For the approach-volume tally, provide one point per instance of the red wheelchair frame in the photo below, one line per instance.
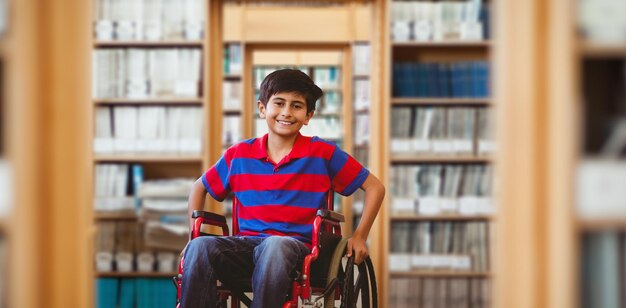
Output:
(326, 221)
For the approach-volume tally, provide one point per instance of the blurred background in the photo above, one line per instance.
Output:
(498, 128)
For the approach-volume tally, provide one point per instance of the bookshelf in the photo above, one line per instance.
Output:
(438, 78)
(599, 226)
(155, 117)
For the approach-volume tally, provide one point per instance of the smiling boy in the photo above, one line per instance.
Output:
(281, 181)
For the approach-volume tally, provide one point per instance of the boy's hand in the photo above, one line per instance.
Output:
(357, 244)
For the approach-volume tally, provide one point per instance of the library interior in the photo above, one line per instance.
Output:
(494, 125)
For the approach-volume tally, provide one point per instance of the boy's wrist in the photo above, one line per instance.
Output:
(358, 235)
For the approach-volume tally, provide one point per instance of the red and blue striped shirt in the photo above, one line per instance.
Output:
(283, 198)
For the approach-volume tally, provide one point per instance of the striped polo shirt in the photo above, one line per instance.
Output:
(283, 198)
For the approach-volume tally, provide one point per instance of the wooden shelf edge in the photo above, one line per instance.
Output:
(437, 274)
(432, 101)
(232, 111)
(115, 216)
(135, 274)
(147, 101)
(231, 76)
(409, 158)
(454, 44)
(599, 50)
(601, 224)
(97, 44)
(147, 158)
(453, 217)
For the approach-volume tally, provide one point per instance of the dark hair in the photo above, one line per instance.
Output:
(290, 80)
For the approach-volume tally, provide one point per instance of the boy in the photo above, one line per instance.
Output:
(280, 180)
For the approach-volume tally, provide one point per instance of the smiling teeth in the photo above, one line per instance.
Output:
(284, 123)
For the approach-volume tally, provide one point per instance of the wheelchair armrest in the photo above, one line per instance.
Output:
(331, 215)
(207, 218)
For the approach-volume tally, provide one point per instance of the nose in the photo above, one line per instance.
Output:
(286, 112)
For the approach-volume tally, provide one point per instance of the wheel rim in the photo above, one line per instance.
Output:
(355, 285)
(362, 287)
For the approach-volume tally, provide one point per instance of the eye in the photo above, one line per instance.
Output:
(298, 106)
(280, 104)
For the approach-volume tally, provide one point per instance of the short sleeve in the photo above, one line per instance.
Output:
(346, 173)
(216, 180)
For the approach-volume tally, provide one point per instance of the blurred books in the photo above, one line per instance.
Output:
(439, 21)
(441, 131)
(439, 246)
(141, 73)
(149, 20)
(148, 130)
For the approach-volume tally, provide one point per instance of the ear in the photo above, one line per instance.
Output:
(261, 109)
(308, 117)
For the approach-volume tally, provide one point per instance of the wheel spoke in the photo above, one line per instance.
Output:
(358, 284)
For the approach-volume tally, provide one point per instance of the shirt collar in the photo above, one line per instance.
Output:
(300, 148)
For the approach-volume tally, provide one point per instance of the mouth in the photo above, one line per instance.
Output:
(284, 122)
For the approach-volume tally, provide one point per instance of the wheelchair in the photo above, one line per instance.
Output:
(327, 278)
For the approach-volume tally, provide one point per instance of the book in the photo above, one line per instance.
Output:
(438, 21)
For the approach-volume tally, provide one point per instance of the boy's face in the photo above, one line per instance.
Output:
(285, 113)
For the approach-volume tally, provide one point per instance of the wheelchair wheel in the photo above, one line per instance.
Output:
(356, 283)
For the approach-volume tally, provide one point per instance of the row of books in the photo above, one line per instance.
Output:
(129, 246)
(603, 269)
(439, 21)
(441, 130)
(124, 186)
(231, 130)
(141, 73)
(437, 189)
(462, 79)
(329, 128)
(602, 21)
(134, 293)
(362, 58)
(327, 77)
(232, 59)
(148, 129)
(361, 129)
(451, 246)
(361, 154)
(113, 180)
(232, 94)
(440, 292)
(361, 95)
(149, 20)
(4, 12)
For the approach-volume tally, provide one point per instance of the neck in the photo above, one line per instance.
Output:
(278, 147)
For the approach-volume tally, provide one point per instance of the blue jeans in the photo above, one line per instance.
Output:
(270, 261)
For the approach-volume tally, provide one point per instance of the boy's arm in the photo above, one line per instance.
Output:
(197, 197)
(374, 194)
